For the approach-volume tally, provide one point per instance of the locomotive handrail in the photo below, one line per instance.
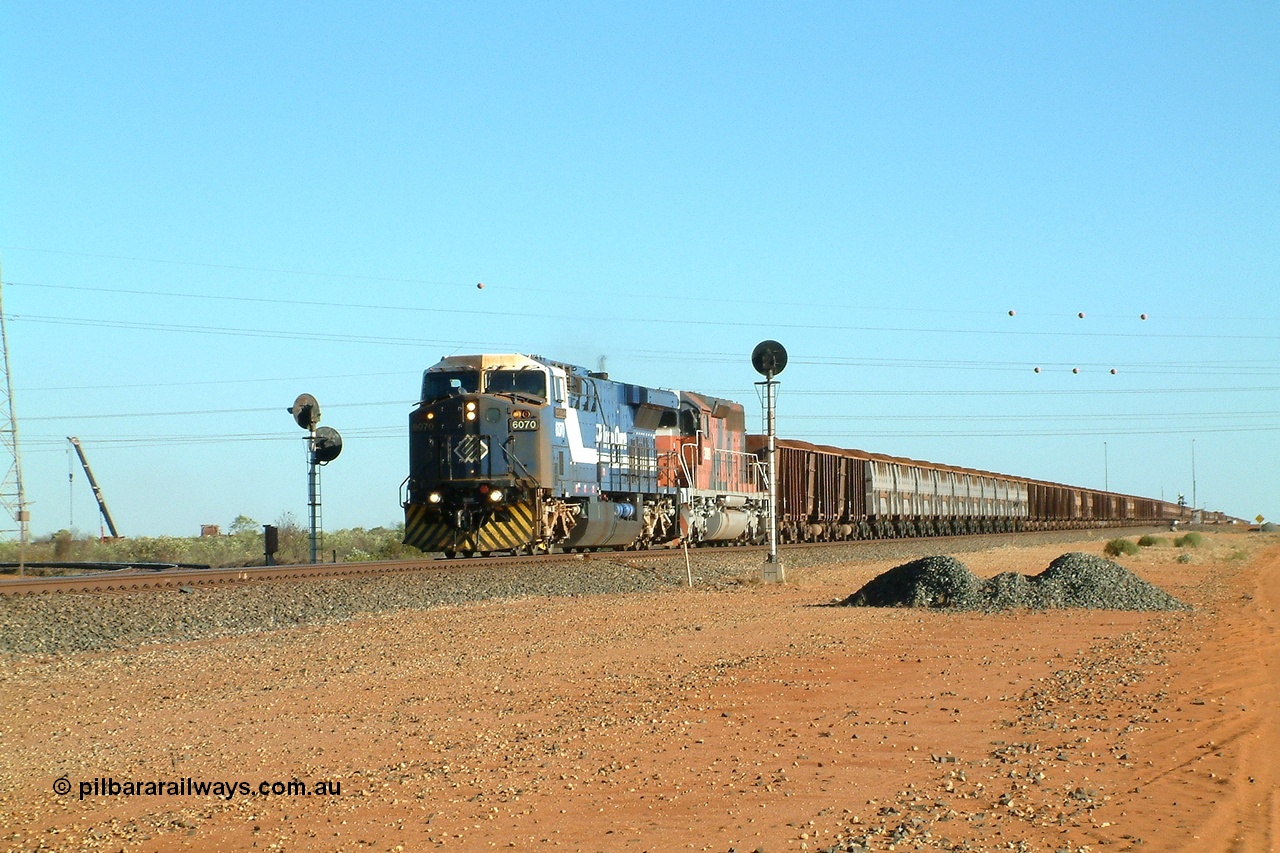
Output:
(762, 478)
(511, 457)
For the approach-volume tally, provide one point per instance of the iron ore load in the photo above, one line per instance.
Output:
(522, 454)
(829, 494)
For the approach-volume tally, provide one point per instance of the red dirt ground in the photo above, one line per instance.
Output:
(744, 719)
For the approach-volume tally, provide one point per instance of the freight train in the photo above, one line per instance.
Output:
(523, 454)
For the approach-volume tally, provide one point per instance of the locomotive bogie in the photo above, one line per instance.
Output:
(709, 517)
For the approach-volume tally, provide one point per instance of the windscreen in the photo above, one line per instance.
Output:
(530, 383)
(441, 384)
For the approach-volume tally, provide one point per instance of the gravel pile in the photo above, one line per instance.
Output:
(928, 582)
(1073, 580)
(1083, 580)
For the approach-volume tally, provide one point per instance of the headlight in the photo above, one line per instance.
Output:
(495, 495)
(434, 498)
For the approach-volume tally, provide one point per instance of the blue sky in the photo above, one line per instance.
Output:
(207, 209)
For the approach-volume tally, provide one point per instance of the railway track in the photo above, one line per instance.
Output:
(126, 580)
(133, 580)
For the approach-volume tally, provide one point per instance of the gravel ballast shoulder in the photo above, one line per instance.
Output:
(67, 623)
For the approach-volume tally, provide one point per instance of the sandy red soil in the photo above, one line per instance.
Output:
(747, 718)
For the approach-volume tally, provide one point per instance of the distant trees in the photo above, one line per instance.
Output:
(243, 547)
(244, 524)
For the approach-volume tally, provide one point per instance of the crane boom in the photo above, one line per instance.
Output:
(97, 492)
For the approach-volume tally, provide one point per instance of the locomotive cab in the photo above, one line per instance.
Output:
(476, 464)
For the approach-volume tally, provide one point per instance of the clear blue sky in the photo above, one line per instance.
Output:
(209, 208)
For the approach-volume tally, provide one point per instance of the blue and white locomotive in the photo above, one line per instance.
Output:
(518, 453)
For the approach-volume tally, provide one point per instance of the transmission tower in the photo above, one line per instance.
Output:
(11, 494)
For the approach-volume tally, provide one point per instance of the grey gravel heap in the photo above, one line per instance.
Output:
(1073, 580)
(927, 582)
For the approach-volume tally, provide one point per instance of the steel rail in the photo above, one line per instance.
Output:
(167, 579)
(159, 580)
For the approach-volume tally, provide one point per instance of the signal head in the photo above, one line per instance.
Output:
(769, 358)
(328, 445)
(306, 411)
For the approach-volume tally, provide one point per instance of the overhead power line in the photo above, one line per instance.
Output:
(1189, 430)
(763, 323)
(1037, 392)
(193, 382)
(524, 288)
(51, 445)
(189, 412)
(1109, 416)
(272, 270)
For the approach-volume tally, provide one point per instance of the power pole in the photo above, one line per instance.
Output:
(11, 493)
(1194, 504)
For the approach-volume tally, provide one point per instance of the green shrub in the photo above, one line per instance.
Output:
(1149, 540)
(1116, 547)
(62, 544)
(244, 547)
(1189, 540)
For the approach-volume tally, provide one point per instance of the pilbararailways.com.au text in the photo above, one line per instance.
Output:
(107, 786)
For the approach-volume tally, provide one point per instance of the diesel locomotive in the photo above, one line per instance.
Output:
(523, 454)
(515, 453)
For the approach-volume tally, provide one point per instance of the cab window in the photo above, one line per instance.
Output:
(531, 383)
(444, 383)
